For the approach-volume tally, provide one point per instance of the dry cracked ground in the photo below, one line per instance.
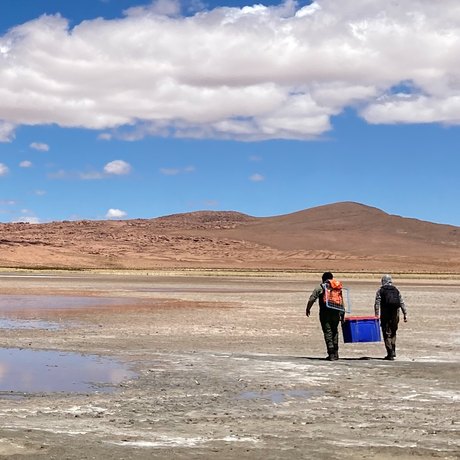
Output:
(224, 367)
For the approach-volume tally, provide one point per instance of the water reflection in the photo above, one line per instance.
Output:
(31, 371)
(48, 311)
(12, 303)
(7, 323)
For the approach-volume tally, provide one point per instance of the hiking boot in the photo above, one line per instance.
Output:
(332, 357)
(390, 353)
(330, 354)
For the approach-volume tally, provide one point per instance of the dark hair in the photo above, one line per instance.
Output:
(327, 276)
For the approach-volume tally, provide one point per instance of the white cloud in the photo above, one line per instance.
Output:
(25, 164)
(4, 170)
(27, 219)
(91, 175)
(117, 167)
(248, 73)
(115, 214)
(113, 168)
(60, 174)
(421, 109)
(40, 146)
(158, 7)
(40, 192)
(6, 130)
(176, 171)
(257, 177)
(169, 171)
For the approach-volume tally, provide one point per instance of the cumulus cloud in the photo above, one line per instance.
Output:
(25, 164)
(246, 73)
(40, 146)
(113, 168)
(117, 168)
(115, 214)
(4, 170)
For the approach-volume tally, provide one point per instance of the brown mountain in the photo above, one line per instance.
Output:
(342, 236)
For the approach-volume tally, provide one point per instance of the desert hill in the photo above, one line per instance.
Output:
(343, 236)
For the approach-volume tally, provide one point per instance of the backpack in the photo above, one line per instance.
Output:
(332, 294)
(389, 297)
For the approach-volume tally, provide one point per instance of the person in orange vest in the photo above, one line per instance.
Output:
(328, 317)
(388, 302)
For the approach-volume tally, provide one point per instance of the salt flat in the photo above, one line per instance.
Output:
(230, 367)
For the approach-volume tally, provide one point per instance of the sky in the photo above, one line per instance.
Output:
(126, 109)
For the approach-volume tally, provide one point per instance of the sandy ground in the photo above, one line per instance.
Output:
(229, 367)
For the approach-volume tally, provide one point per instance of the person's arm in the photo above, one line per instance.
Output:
(403, 307)
(313, 297)
(377, 303)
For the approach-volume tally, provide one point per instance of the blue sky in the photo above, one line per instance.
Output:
(130, 109)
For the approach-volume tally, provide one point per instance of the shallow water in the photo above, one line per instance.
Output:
(8, 323)
(31, 371)
(11, 303)
(34, 311)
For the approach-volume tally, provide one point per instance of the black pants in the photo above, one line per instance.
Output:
(330, 319)
(389, 320)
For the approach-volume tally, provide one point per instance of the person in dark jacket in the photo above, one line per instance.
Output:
(388, 302)
(328, 317)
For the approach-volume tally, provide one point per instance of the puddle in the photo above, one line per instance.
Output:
(36, 371)
(32, 311)
(6, 323)
(13, 303)
(278, 397)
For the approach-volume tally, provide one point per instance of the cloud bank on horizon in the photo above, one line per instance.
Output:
(252, 73)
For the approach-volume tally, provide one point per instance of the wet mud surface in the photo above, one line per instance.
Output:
(228, 367)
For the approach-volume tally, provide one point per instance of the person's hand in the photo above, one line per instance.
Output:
(307, 312)
(405, 318)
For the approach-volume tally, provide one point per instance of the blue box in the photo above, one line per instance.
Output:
(361, 329)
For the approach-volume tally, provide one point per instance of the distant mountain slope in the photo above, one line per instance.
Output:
(341, 236)
(354, 227)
